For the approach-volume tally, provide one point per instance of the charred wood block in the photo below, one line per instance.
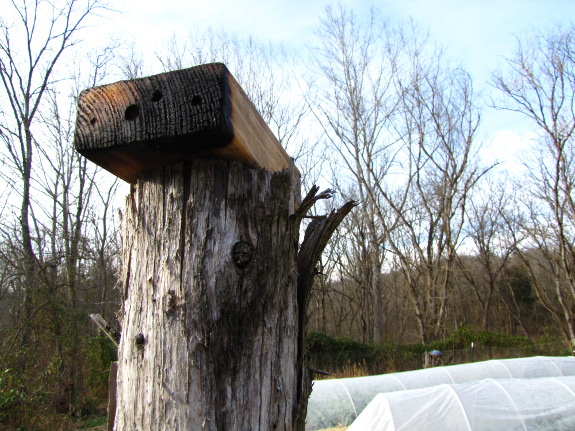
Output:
(131, 126)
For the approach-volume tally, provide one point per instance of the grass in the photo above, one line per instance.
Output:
(350, 370)
(95, 423)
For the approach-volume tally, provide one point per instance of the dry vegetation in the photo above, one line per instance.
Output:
(395, 275)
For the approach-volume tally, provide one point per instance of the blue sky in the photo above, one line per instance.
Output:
(485, 27)
(477, 32)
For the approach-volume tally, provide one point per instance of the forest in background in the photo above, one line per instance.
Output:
(442, 244)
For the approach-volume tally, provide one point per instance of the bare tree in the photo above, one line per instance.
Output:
(131, 64)
(265, 71)
(439, 121)
(351, 105)
(540, 85)
(403, 123)
(488, 232)
(345, 288)
(47, 241)
(29, 53)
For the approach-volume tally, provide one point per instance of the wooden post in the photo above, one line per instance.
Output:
(426, 360)
(210, 319)
(112, 386)
(214, 285)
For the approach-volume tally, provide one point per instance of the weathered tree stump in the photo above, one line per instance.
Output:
(215, 284)
(210, 317)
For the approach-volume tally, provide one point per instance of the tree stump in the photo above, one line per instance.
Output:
(215, 283)
(210, 315)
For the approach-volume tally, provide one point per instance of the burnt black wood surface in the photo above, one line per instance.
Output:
(130, 126)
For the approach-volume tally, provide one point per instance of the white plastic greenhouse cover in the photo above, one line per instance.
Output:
(339, 401)
(486, 405)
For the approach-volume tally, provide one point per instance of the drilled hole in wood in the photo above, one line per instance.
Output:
(196, 100)
(132, 112)
(157, 96)
(93, 121)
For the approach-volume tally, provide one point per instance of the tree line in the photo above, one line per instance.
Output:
(440, 238)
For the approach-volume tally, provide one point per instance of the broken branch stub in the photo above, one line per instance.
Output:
(202, 112)
(316, 237)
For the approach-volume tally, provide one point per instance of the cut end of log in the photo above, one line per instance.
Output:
(132, 126)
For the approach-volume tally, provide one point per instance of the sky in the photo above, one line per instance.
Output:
(476, 31)
(479, 33)
(456, 22)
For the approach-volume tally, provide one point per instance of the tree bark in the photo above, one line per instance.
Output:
(210, 334)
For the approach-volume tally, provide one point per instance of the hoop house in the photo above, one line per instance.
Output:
(486, 405)
(340, 401)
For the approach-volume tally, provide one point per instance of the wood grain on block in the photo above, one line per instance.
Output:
(201, 112)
